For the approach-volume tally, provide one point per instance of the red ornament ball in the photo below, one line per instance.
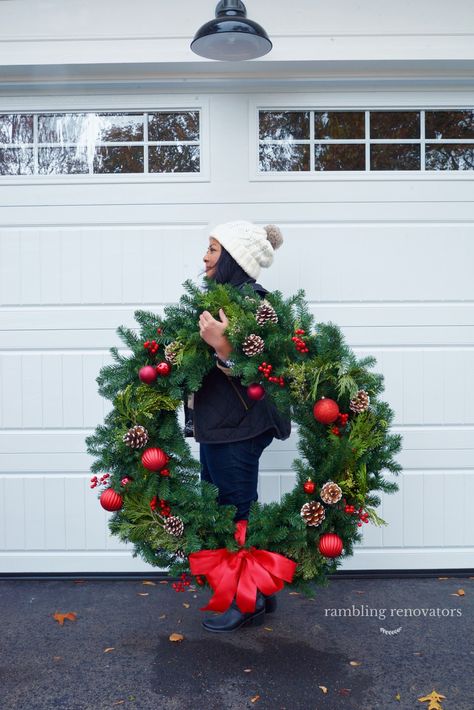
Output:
(309, 486)
(330, 545)
(163, 369)
(154, 459)
(147, 374)
(255, 391)
(326, 411)
(110, 500)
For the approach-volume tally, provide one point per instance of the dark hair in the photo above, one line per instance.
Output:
(228, 271)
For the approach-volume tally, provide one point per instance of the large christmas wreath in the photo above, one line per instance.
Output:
(151, 480)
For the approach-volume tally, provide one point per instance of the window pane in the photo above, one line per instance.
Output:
(16, 161)
(16, 128)
(339, 157)
(284, 125)
(394, 124)
(449, 157)
(65, 161)
(173, 126)
(173, 159)
(339, 124)
(284, 158)
(449, 124)
(124, 159)
(119, 127)
(395, 157)
(65, 128)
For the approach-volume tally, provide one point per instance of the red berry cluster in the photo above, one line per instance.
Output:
(342, 420)
(165, 509)
(300, 344)
(199, 580)
(164, 472)
(152, 346)
(125, 480)
(185, 581)
(266, 369)
(363, 516)
(98, 482)
(159, 331)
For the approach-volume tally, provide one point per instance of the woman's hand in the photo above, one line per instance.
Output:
(212, 332)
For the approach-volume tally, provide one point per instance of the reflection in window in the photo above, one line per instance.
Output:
(173, 158)
(394, 124)
(449, 157)
(398, 156)
(339, 157)
(284, 125)
(449, 124)
(16, 161)
(414, 140)
(339, 124)
(288, 157)
(100, 143)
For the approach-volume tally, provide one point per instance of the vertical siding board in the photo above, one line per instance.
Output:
(12, 388)
(75, 503)
(433, 500)
(35, 513)
(50, 266)
(413, 510)
(468, 538)
(2, 513)
(54, 491)
(10, 268)
(412, 384)
(132, 266)
(52, 390)
(93, 402)
(91, 266)
(32, 395)
(30, 275)
(456, 366)
(111, 266)
(393, 513)
(14, 513)
(72, 395)
(453, 510)
(70, 267)
(268, 488)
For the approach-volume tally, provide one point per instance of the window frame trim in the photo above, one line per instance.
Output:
(119, 103)
(363, 101)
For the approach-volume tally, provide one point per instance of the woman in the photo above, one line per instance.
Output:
(232, 429)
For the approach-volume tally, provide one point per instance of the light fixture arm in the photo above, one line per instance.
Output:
(231, 7)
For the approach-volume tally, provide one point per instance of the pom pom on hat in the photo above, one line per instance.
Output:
(249, 244)
(274, 235)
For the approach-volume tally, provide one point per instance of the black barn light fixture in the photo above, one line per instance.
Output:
(231, 36)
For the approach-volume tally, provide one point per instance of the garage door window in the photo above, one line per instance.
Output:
(314, 141)
(100, 143)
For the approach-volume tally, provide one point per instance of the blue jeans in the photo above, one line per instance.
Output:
(233, 468)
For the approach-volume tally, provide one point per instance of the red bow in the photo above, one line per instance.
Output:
(241, 573)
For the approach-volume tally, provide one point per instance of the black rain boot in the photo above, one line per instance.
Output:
(270, 603)
(233, 618)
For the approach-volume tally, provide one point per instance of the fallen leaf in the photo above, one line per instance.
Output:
(57, 658)
(186, 605)
(443, 577)
(152, 584)
(255, 698)
(163, 582)
(397, 697)
(143, 594)
(247, 670)
(268, 628)
(461, 592)
(294, 594)
(433, 698)
(417, 653)
(118, 702)
(323, 688)
(79, 581)
(71, 615)
(355, 663)
(344, 691)
(176, 637)
(163, 616)
(109, 648)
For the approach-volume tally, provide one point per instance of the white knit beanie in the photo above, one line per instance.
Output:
(249, 244)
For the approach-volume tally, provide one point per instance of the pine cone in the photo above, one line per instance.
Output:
(313, 512)
(330, 493)
(360, 402)
(136, 437)
(180, 553)
(171, 351)
(253, 345)
(265, 313)
(174, 526)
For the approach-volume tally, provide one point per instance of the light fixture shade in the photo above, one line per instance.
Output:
(231, 36)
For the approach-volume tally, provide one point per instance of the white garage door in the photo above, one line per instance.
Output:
(377, 213)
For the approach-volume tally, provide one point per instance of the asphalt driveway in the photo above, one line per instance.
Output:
(368, 644)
